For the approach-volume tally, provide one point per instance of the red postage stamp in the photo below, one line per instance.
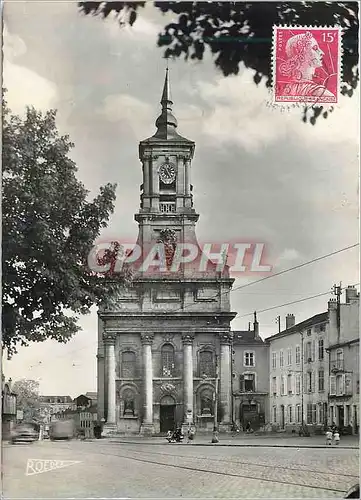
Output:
(306, 64)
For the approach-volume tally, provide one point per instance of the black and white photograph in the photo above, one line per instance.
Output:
(180, 250)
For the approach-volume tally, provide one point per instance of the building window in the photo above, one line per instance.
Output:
(206, 365)
(332, 385)
(206, 402)
(274, 385)
(321, 380)
(282, 385)
(247, 382)
(289, 384)
(308, 352)
(289, 356)
(290, 415)
(321, 414)
(309, 331)
(311, 413)
(275, 414)
(340, 385)
(249, 359)
(128, 364)
(274, 360)
(167, 353)
(314, 414)
(309, 382)
(298, 355)
(320, 350)
(339, 359)
(298, 414)
(298, 383)
(323, 327)
(281, 358)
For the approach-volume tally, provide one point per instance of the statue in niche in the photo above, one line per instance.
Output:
(206, 403)
(128, 399)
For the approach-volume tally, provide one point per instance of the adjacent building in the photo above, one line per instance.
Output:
(51, 405)
(83, 412)
(8, 409)
(344, 361)
(299, 374)
(250, 378)
(314, 369)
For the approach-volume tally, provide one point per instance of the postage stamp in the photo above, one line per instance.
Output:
(306, 64)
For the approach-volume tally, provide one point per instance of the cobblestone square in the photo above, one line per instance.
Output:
(140, 470)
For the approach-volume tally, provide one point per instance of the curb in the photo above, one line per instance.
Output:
(243, 445)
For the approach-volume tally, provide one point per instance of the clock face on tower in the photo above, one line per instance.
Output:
(167, 173)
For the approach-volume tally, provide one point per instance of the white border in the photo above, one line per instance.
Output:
(305, 102)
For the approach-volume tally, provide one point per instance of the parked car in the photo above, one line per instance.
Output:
(24, 433)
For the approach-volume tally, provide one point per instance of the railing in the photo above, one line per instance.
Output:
(167, 207)
(337, 365)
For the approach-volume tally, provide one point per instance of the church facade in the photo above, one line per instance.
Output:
(165, 342)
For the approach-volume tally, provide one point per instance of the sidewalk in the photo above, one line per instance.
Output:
(272, 441)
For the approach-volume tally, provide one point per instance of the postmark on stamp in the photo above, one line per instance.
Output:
(306, 64)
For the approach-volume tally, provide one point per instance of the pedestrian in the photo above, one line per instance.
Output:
(169, 436)
(336, 437)
(328, 437)
(248, 427)
(190, 435)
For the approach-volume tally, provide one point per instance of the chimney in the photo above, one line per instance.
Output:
(255, 326)
(351, 294)
(332, 305)
(290, 321)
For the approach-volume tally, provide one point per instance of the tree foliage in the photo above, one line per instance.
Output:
(49, 227)
(27, 397)
(241, 32)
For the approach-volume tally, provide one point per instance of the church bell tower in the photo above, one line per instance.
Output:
(166, 201)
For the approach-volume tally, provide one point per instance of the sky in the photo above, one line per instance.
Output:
(259, 174)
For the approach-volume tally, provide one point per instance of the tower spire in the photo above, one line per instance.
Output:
(166, 123)
(166, 90)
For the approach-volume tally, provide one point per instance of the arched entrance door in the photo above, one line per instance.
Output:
(167, 414)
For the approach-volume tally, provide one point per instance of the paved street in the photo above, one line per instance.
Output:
(118, 470)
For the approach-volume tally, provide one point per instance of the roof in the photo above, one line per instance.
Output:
(246, 337)
(92, 395)
(314, 320)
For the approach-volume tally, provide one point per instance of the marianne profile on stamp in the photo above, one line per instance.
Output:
(306, 64)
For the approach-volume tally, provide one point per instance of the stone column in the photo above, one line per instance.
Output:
(154, 192)
(187, 177)
(109, 343)
(225, 381)
(146, 181)
(147, 424)
(188, 377)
